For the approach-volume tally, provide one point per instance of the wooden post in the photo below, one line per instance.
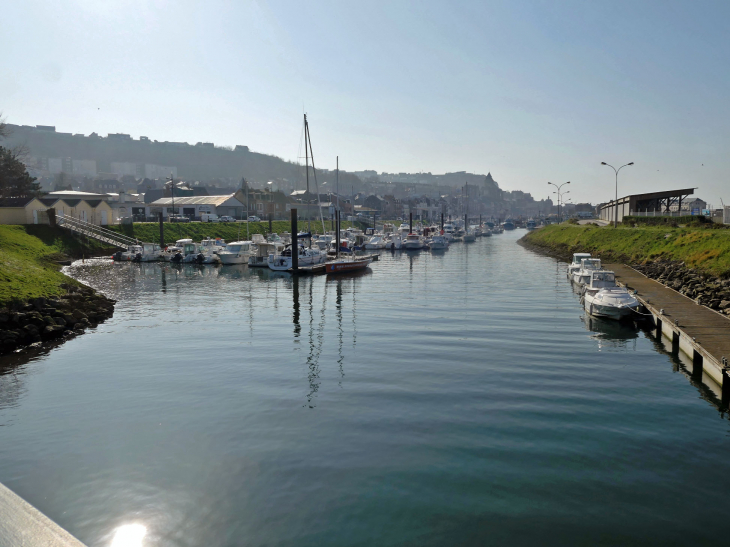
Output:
(659, 329)
(162, 233)
(675, 342)
(725, 385)
(442, 221)
(410, 221)
(270, 230)
(697, 362)
(295, 243)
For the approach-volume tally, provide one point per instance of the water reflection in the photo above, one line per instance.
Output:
(129, 535)
(611, 334)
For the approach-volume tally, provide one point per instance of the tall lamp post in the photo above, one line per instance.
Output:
(615, 209)
(558, 192)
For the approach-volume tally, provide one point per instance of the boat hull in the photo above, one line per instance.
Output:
(346, 266)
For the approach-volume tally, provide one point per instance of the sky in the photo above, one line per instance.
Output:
(530, 91)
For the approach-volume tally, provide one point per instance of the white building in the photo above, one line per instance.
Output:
(194, 206)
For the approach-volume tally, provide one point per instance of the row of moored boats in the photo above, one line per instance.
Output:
(601, 296)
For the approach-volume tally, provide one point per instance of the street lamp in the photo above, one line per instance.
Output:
(615, 210)
(558, 192)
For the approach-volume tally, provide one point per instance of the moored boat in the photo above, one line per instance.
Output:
(603, 298)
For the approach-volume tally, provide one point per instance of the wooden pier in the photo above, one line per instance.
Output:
(701, 333)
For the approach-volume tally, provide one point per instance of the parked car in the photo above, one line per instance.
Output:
(178, 218)
(226, 218)
(254, 219)
(209, 217)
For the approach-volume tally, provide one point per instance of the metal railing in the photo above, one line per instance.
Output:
(96, 232)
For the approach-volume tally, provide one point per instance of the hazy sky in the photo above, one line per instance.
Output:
(531, 91)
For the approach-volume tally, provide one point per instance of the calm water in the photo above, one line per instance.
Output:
(451, 399)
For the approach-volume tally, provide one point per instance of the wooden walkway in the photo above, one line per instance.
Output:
(696, 328)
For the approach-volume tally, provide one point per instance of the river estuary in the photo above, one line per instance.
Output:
(459, 398)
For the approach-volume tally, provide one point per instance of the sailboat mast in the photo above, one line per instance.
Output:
(306, 161)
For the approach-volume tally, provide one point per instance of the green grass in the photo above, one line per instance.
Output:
(706, 250)
(150, 231)
(28, 256)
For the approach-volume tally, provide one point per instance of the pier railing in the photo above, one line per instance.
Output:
(99, 233)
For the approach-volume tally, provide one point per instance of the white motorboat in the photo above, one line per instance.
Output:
(438, 243)
(582, 276)
(603, 298)
(307, 257)
(210, 246)
(259, 254)
(395, 243)
(236, 252)
(146, 252)
(575, 265)
(469, 236)
(324, 241)
(413, 242)
(449, 231)
(376, 242)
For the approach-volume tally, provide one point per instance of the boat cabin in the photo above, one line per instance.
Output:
(577, 257)
(602, 279)
(590, 264)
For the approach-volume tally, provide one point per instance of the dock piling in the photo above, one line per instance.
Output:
(295, 243)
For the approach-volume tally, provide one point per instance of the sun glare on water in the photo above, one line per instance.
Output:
(129, 535)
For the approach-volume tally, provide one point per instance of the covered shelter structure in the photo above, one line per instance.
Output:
(194, 206)
(650, 204)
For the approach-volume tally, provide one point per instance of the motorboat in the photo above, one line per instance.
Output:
(351, 264)
(376, 242)
(603, 298)
(146, 252)
(306, 257)
(582, 276)
(438, 242)
(324, 241)
(236, 252)
(575, 265)
(209, 245)
(531, 224)
(469, 236)
(395, 243)
(413, 242)
(508, 224)
(259, 254)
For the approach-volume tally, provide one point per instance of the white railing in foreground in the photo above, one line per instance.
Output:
(23, 524)
(97, 232)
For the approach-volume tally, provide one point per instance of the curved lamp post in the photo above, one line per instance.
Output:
(558, 192)
(615, 210)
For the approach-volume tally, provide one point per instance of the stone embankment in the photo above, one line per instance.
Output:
(45, 319)
(704, 289)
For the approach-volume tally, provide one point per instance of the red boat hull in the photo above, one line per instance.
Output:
(349, 266)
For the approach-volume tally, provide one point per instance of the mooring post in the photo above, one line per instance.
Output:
(294, 243)
(442, 221)
(675, 342)
(697, 362)
(270, 218)
(725, 384)
(659, 328)
(410, 221)
(162, 233)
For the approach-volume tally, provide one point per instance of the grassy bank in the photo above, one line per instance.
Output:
(29, 257)
(706, 250)
(150, 231)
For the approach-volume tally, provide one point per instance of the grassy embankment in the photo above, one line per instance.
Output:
(29, 257)
(704, 249)
(150, 231)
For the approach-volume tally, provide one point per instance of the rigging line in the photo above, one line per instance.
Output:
(314, 171)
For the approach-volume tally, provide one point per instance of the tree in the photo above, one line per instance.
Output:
(15, 182)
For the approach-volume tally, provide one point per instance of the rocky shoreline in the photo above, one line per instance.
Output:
(40, 320)
(704, 289)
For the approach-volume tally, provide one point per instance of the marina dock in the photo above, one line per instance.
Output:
(703, 334)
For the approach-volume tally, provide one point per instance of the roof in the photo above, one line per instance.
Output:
(74, 194)
(196, 200)
(15, 202)
(48, 201)
(652, 195)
